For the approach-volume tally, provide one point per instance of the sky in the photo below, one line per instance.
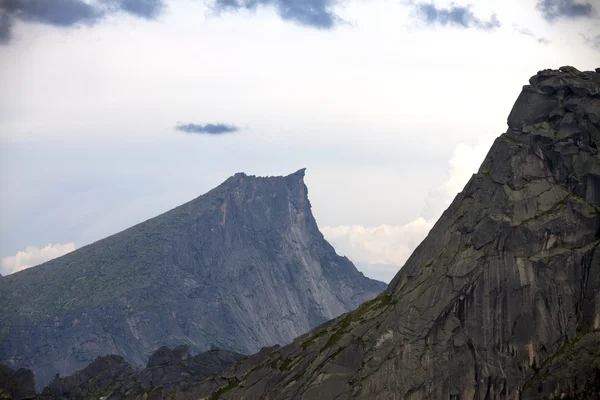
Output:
(114, 111)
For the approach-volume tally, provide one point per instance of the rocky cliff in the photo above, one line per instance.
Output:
(500, 301)
(241, 267)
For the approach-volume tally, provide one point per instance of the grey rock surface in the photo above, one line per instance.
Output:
(241, 267)
(502, 298)
(112, 378)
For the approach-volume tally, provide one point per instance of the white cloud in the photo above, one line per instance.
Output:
(384, 244)
(465, 161)
(377, 250)
(33, 256)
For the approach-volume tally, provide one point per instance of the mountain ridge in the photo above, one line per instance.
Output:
(501, 299)
(200, 274)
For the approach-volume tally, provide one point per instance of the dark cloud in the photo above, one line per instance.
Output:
(148, 9)
(461, 16)
(5, 27)
(314, 13)
(553, 10)
(70, 13)
(62, 13)
(208, 129)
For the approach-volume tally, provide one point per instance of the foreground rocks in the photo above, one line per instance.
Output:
(241, 267)
(16, 385)
(500, 301)
(111, 377)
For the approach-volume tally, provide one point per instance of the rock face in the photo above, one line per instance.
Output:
(500, 301)
(16, 385)
(241, 267)
(111, 377)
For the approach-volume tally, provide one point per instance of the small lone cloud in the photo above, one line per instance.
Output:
(208, 129)
(553, 10)
(528, 32)
(33, 256)
(455, 15)
(313, 13)
(70, 13)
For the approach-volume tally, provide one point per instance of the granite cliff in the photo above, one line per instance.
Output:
(241, 267)
(502, 298)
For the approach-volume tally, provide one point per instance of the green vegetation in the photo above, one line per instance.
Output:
(343, 326)
(285, 365)
(4, 395)
(216, 395)
(547, 367)
(313, 339)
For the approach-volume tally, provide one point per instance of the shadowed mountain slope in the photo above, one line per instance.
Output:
(500, 301)
(111, 377)
(238, 268)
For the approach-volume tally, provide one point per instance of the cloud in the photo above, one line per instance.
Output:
(314, 13)
(528, 32)
(70, 13)
(553, 10)
(380, 249)
(456, 15)
(209, 129)
(384, 244)
(5, 27)
(592, 41)
(62, 13)
(147, 9)
(33, 256)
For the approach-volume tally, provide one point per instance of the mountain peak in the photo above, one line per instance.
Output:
(298, 174)
(240, 267)
(553, 93)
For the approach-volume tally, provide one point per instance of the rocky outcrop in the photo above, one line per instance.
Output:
(16, 385)
(112, 378)
(97, 379)
(239, 268)
(500, 301)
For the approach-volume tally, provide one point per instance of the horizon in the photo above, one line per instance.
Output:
(113, 115)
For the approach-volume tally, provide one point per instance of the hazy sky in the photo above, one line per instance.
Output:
(112, 112)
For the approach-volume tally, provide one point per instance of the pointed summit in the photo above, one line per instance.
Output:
(241, 267)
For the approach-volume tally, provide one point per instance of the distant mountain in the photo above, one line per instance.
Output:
(111, 377)
(241, 267)
(502, 298)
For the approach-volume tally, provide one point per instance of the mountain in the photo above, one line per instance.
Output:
(502, 298)
(111, 377)
(241, 267)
